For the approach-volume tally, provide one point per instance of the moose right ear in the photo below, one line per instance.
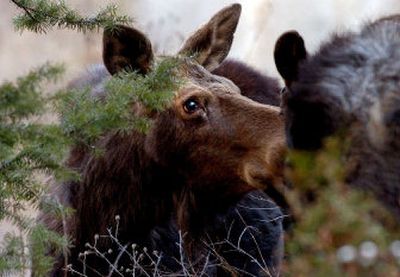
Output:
(289, 52)
(126, 49)
(212, 42)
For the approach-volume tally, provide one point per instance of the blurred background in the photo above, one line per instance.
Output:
(167, 23)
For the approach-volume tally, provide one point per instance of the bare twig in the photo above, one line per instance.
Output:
(123, 250)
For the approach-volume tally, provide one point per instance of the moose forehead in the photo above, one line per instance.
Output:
(197, 78)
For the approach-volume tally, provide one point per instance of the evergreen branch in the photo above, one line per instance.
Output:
(24, 98)
(41, 15)
(26, 9)
(26, 148)
(85, 118)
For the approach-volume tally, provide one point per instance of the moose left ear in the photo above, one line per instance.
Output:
(212, 42)
(289, 52)
(126, 49)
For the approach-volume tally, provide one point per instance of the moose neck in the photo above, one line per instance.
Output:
(123, 182)
(146, 193)
(199, 203)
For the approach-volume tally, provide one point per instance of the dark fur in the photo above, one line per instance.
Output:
(252, 83)
(351, 84)
(266, 90)
(146, 193)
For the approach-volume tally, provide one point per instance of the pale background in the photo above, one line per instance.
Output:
(168, 22)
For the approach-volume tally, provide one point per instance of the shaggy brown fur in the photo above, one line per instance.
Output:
(197, 170)
(252, 83)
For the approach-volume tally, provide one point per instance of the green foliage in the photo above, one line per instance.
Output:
(42, 15)
(31, 149)
(23, 99)
(330, 215)
(85, 117)
(11, 253)
(14, 258)
(42, 240)
(28, 148)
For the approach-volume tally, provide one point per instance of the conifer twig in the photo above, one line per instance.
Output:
(25, 8)
(41, 15)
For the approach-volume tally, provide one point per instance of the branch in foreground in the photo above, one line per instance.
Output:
(41, 16)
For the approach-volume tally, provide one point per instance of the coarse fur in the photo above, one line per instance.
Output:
(351, 84)
(252, 83)
(198, 173)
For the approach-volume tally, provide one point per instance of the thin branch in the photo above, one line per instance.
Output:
(27, 10)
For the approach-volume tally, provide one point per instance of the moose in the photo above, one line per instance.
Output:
(350, 85)
(193, 187)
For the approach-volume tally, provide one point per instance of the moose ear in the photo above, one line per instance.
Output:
(212, 42)
(289, 52)
(126, 49)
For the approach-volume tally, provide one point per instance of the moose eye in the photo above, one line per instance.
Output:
(191, 105)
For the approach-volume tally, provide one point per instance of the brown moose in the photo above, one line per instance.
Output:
(190, 187)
